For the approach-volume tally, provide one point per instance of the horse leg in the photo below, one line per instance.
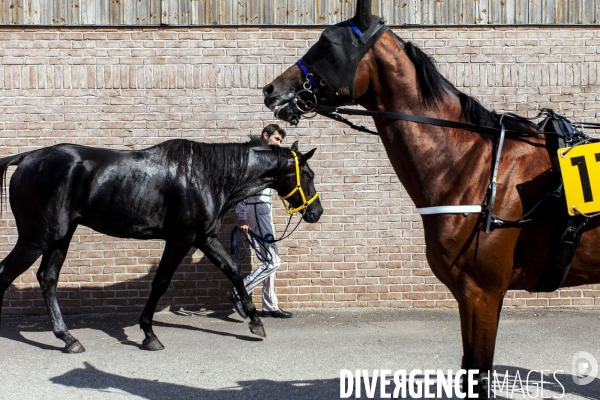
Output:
(21, 257)
(172, 256)
(47, 276)
(217, 254)
(479, 316)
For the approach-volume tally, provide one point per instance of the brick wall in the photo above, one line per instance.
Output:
(132, 88)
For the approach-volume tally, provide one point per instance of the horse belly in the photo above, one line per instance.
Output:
(132, 205)
(123, 224)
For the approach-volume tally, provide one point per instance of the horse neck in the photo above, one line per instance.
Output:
(264, 167)
(437, 166)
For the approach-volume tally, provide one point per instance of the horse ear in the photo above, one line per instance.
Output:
(362, 19)
(295, 146)
(307, 156)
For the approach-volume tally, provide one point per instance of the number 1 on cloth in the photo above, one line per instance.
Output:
(580, 170)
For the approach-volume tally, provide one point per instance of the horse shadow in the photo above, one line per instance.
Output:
(15, 329)
(90, 377)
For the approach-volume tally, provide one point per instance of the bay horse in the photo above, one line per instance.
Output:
(177, 191)
(361, 61)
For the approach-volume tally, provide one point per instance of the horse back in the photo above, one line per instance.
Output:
(116, 192)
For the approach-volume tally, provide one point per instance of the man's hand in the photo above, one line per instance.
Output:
(243, 225)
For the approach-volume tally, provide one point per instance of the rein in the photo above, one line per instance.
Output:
(333, 112)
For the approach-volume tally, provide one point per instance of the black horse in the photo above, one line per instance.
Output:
(177, 191)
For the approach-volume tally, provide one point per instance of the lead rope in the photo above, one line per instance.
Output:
(259, 243)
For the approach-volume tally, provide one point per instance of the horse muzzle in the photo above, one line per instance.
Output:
(282, 104)
(287, 112)
(312, 213)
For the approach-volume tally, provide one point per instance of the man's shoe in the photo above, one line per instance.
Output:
(277, 314)
(237, 303)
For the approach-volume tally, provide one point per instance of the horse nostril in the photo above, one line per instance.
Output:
(268, 90)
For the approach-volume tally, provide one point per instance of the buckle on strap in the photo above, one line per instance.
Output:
(309, 76)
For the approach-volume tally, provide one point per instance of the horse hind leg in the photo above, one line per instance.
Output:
(21, 257)
(47, 276)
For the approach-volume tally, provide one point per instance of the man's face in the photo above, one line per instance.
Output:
(275, 138)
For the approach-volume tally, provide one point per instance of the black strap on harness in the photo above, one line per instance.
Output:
(333, 113)
(566, 236)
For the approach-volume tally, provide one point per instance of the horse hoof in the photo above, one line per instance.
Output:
(258, 329)
(74, 348)
(153, 344)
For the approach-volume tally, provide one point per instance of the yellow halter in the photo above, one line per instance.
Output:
(298, 188)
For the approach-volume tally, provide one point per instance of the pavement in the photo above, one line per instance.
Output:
(214, 355)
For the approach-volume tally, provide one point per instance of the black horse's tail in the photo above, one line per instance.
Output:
(4, 164)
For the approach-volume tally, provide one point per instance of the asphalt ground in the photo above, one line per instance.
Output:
(214, 355)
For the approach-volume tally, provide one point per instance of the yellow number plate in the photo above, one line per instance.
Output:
(580, 169)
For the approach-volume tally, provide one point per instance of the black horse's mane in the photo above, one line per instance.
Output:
(434, 87)
(220, 165)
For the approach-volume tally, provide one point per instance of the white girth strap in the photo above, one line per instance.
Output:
(450, 210)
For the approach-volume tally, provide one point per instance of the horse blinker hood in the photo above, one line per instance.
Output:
(335, 57)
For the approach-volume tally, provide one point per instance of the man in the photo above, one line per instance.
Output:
(255, 213)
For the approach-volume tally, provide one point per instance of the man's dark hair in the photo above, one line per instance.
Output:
(272, 128)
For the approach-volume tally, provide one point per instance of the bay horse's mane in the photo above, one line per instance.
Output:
(220, 165)
(433, 87)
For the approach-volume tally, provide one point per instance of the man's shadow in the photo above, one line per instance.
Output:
(197, 286)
